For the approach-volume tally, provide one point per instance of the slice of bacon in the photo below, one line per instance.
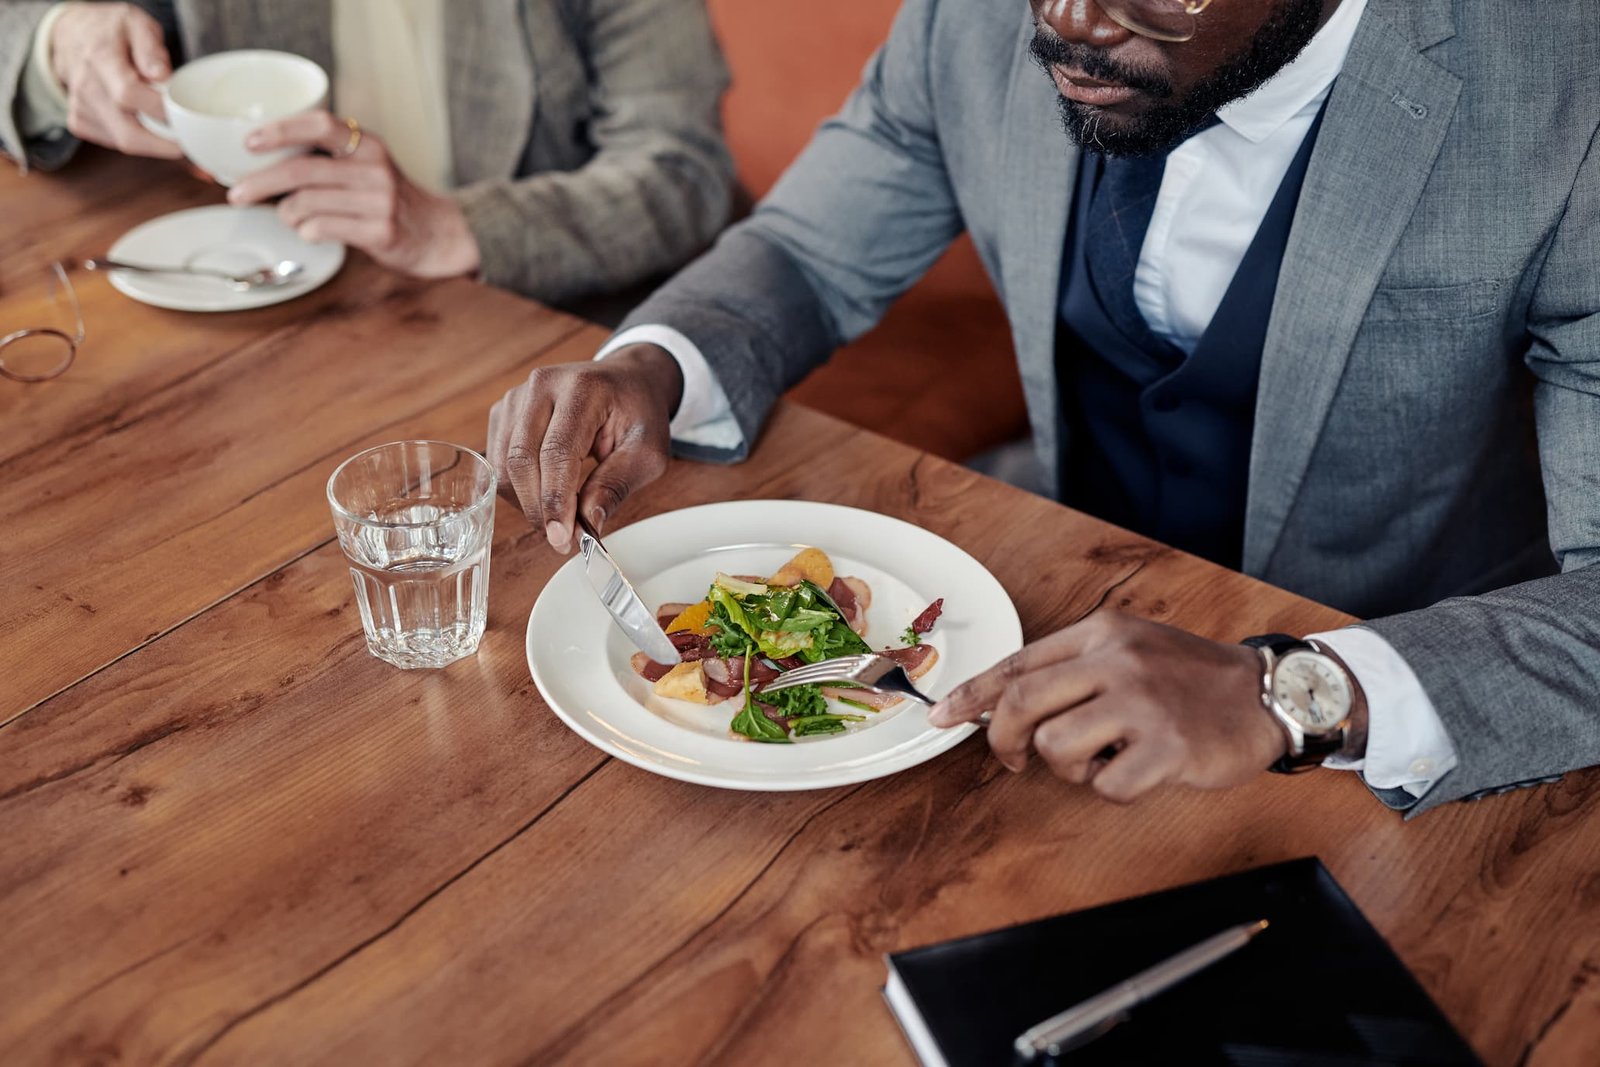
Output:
(713, 669)
(725, 677)
(648, 669)
(930, 615)
(692, 646)
(917, 660)
(854, 597)
(843, 596)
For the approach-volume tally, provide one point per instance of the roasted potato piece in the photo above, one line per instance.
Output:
(686, 681)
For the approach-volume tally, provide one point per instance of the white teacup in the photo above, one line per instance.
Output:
(215, 102)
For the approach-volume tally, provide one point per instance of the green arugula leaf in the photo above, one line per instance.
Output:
(811, 725)
(797, 701)
(726, 637)
(803, 619)
(910, 638)
(751, 722)
(857, 704)
(742, 614)
(835, 641)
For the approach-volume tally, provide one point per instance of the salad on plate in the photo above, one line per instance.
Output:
(748, 630)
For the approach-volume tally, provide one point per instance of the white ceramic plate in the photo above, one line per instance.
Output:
(579, 658)
(219, 237)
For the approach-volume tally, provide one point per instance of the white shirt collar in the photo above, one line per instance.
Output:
(1302, 83)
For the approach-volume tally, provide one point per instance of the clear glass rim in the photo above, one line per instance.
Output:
(485, 499)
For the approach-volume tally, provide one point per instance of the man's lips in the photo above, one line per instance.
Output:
(1083, 89)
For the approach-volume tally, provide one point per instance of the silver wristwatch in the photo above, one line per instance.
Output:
(1309, 694)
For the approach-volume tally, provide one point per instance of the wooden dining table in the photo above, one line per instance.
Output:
(228, 834)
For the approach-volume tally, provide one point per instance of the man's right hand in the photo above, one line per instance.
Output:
(106, 55)
(617, 409)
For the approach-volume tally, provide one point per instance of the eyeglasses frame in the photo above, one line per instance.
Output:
(72, 341)
(1191, 8)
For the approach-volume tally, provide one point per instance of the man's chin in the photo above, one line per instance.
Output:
(1125, 129)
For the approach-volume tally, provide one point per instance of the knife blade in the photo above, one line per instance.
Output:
(618, 597)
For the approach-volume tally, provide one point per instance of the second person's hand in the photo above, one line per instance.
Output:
(359, 197)
(617, 410)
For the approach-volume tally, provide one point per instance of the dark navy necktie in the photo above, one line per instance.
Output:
(1123, 200)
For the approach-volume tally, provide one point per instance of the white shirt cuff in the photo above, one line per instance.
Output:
(705, 416)
(43, 99)
(1407, 745)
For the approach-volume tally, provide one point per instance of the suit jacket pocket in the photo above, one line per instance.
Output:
(1441, 303)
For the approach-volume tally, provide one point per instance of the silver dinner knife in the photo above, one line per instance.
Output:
(619, 598)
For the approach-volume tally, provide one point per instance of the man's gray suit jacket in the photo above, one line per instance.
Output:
(1426, 449)
(586, 135)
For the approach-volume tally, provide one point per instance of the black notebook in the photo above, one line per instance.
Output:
(1319, 987)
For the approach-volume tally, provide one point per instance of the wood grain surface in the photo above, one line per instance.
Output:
(229, 835)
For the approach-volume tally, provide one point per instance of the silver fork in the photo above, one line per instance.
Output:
(878, 674)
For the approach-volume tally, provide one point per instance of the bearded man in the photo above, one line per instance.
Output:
(1311, 288)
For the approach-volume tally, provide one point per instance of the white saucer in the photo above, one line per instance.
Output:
(219, 237)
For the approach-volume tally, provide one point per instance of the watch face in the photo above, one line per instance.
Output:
(1312, 690)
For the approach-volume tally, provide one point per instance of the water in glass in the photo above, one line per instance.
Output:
(416, 520)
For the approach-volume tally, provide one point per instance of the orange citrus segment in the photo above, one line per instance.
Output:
(692, 619)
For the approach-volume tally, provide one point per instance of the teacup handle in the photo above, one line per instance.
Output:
(155, 125)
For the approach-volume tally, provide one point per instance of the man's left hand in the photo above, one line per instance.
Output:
(1125, 705)
(361, 198)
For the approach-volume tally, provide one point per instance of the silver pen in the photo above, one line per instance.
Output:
(1084, 1022)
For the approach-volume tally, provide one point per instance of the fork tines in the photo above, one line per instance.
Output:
(829, 670)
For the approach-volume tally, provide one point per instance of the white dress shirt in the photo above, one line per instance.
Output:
(389, 74)
(1215, 192)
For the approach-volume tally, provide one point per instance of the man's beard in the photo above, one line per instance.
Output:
(1286, 32)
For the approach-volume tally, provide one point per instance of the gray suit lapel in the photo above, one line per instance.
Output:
(1038, 165)
(1386, 120)
(492, 86)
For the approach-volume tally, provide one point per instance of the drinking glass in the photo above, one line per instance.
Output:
(415, 519)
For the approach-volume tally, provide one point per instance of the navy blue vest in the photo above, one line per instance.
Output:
(1157, 441)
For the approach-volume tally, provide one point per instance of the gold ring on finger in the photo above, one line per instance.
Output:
(353, 143)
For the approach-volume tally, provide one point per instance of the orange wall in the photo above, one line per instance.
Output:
(793, 64)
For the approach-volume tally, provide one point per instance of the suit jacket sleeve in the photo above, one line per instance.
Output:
(18, 21)
(1515, 674)
(855, 221)
(659, 185)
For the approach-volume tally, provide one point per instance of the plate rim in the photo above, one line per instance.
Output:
(940, 743)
